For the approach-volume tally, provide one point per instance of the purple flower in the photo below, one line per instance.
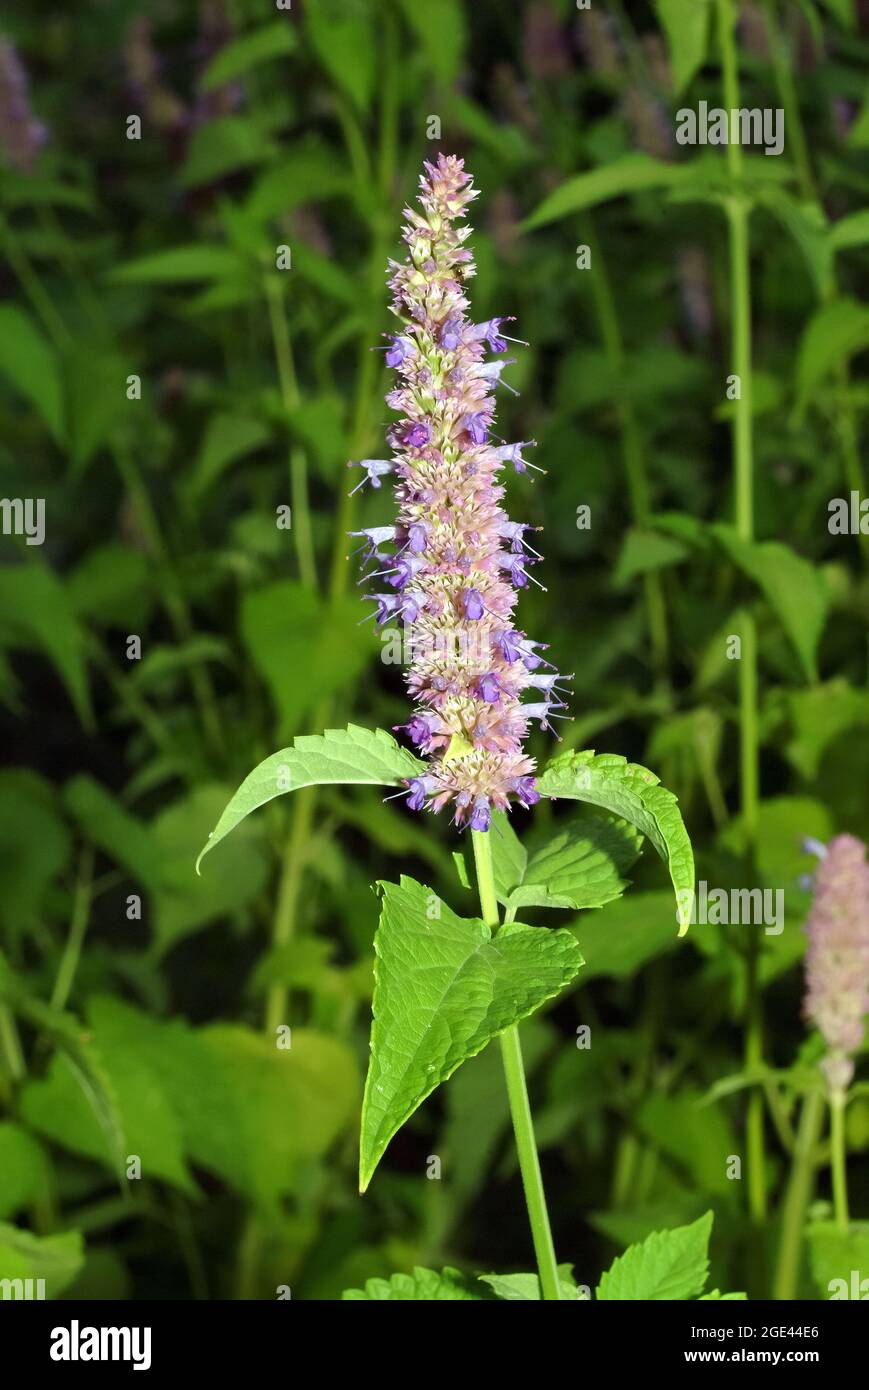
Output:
(508, 645)
(417, 535)
(477, 426)
(456, 551)
(22, 136)
(837, 958)
(401, 349)
(480, 815)
(473, 604)
(526, 791)
(417, 435)
(450, 335)
(489, 688)
(375, 469)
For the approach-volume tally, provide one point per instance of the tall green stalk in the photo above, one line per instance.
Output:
(838, 1151)
(798, 1197)
(517, 1092)
(737, 208)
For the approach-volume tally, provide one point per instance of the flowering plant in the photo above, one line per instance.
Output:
(446, 985)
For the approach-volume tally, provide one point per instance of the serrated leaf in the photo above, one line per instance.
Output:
(424, 1285)
(525, 1288)
(795, 589)
(443, 989)
(667, 1265)
(579, 867)
(634, 794)
(509, 856)
(350, 755)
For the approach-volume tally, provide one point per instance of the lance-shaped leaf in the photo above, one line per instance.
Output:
(339, 755)
(443, 988)
(636, 795)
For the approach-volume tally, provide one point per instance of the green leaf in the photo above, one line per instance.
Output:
(686, 25)
(227, 438)
(620, 939)
(644, 551)
(56, 1259)
(631, 173)
(441, 27)
(668, 1265)
(579, 867)
(509, 856)
(221, 1098)
(525, 1288)
(695, 1136)
(24, 1169)
(304, 648)
(634, 794)
(350, 755)
(200, 261)
(424, 1285)
(185, 903)
(223, 146)
(79, 1061)
(35, 846)
(128, 840)
(273, 40)
(30, 364)
(795, 589)
(834, 334)
(834, 1255)
(342, 36)
(819, 715)
(849, 231)
(443, 989)
(35, 610)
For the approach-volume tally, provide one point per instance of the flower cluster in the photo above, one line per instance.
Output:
(837, 959)
(22, 136)
(457, 560)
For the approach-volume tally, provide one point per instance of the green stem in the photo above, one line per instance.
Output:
(517, 1092)
(743, 461)
(78, 925)
(838, 1150)
(798, 1197)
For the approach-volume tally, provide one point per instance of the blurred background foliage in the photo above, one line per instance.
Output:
(138, 1001)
